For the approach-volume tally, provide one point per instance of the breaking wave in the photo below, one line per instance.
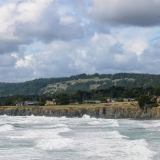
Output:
(6, 127)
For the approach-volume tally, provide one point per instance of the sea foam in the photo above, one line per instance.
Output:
(86, 138)
(6, 127)
(85, 116)
(52, 144)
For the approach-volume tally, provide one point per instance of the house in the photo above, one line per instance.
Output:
(113, 100)
(30, 103)
(27, 103)
(73, 102)
(50, 103)
(158, 99)
(108, 100)
(92, 101)
(128, 99)
(20, 103)
(132, 99)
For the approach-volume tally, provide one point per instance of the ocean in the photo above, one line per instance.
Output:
(51, 138)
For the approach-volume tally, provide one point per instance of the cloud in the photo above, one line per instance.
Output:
(102, 53)
(124, 12)
(150, 58)
(7, 60)
(23, 22)
(54, 38)
(46, 25)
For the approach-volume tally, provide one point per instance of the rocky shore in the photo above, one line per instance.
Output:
(105, 111)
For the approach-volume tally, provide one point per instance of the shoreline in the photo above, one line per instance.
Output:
(105, 110)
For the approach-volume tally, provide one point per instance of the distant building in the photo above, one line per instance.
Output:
(158, 99)
(30, 103)
(73, 102)
(20, 103)
(113, 99)
(92, 101)
(50, 102)
(108, 100)
(27, 103)
(128, 99)
(132, 99)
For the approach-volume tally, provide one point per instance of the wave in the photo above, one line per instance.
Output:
(53, 144)
(112, 145)
(86, 116)
(114, 135)
(60, 125)
(6, 127)
(103, 122)
(93, 122)
(111, 122)
(99, 139)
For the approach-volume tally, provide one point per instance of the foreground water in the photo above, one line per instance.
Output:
(50, 138)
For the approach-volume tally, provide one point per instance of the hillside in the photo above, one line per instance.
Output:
(81, 81)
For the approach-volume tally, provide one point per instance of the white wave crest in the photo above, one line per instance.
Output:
(114, 135)
(111, 122)
(53, 144)
(6, 127)
(112, 145)
(93, 123)
(59, 130)
(60, 125)
(86, 116)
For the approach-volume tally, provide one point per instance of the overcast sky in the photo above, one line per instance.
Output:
(57, 38)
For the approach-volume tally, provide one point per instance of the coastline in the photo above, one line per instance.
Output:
(105, 110)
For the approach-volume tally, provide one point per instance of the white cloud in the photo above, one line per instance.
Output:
(24, 22)
(67, 20)
(26, 62)
(134, 39)
(101, 53)
(47, 38)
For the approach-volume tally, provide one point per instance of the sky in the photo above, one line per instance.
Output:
(60, 38)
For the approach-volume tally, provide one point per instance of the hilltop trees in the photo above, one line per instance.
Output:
(143, 101)
(157, 91)
(144, 96)
(83, 82)
(62, 99)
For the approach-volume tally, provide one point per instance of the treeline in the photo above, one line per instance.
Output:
(99, 94)
(35, 87)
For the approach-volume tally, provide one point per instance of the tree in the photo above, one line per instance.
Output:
(143, 101)
(63, 99)
(157, 91)
(42, 100)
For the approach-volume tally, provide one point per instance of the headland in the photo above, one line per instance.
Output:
(104, 110)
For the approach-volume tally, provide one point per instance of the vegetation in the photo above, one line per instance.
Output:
(142, 87)
(145, 96)
(62, 99)
(82, 82)
(143, 101)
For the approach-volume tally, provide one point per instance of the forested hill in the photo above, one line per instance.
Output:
(81, 81)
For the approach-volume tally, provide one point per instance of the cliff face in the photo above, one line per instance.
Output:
(98, 112)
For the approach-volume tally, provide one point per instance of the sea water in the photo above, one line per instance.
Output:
(51, 138)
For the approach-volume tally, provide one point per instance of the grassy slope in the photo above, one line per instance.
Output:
(109, 105)
(54, 87)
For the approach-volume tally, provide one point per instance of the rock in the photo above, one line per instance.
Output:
(97, 112)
